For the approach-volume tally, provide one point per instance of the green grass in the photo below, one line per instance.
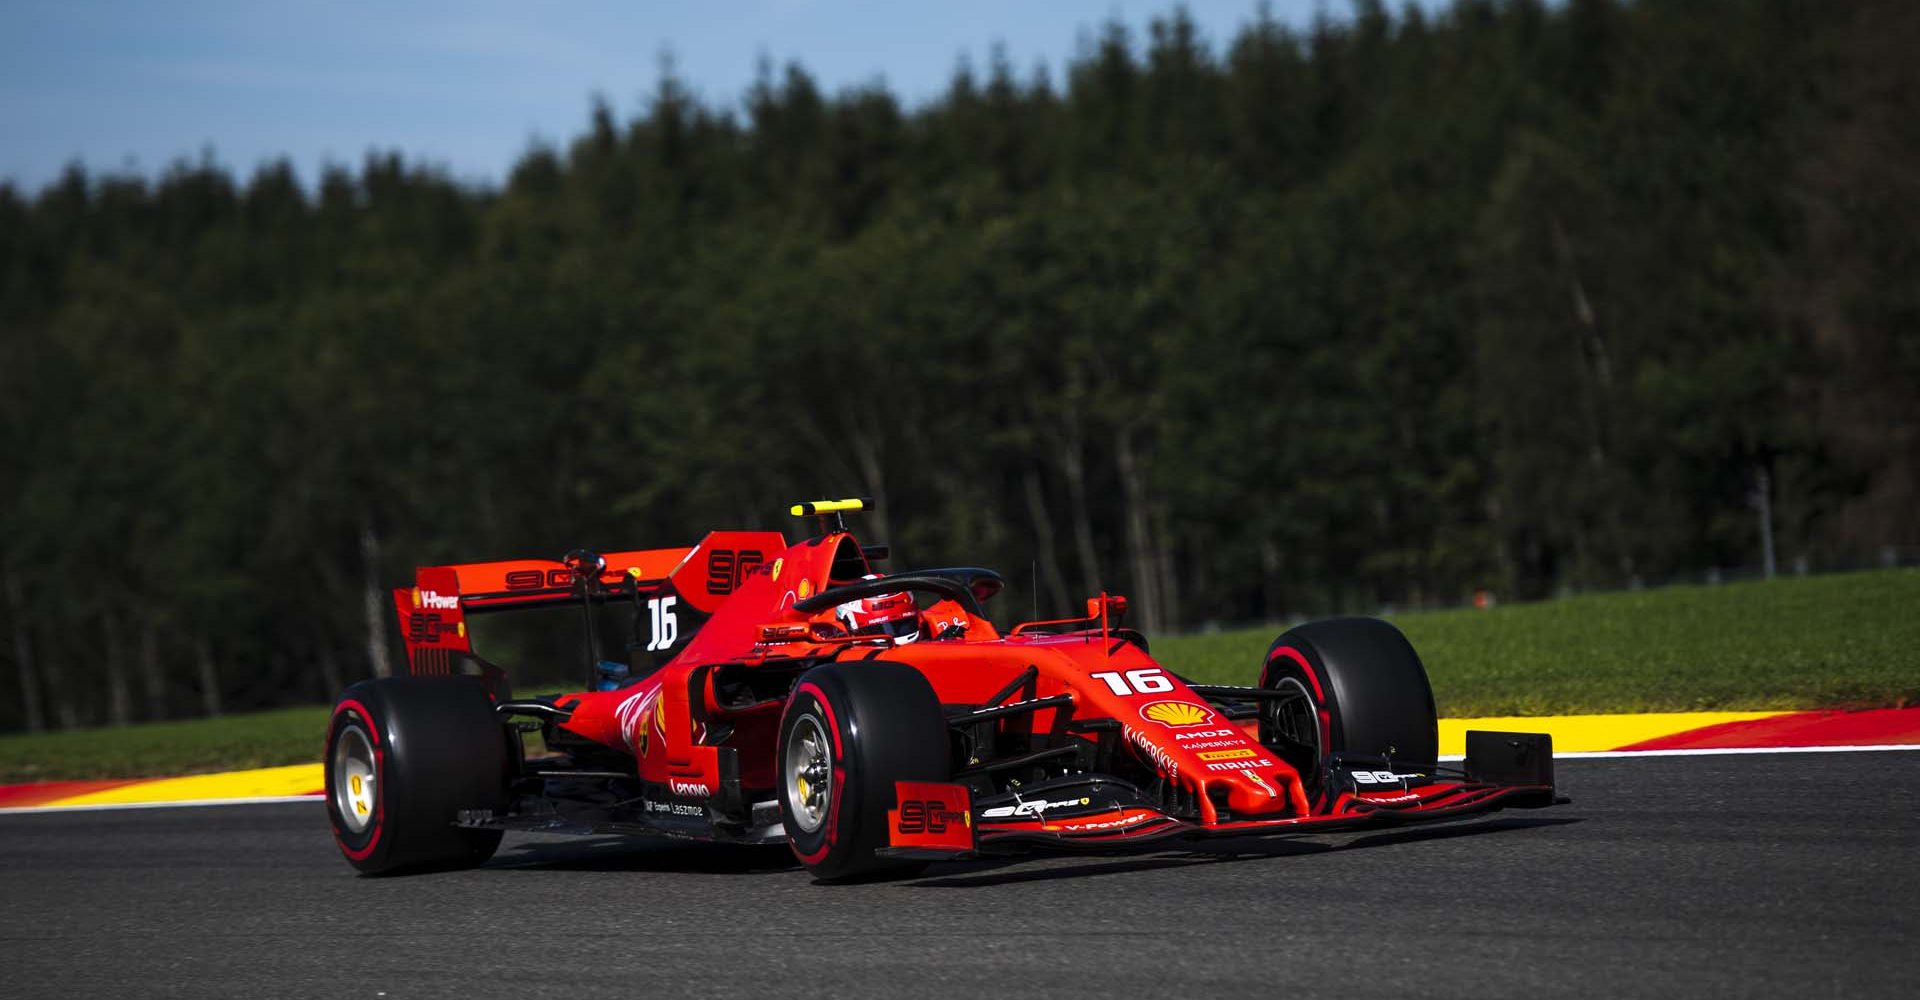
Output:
(197, 746)
(1843, 640)
(232, 742)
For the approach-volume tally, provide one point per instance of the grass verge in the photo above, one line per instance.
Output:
(229, 743)
(1842, 640)
(1848, 639)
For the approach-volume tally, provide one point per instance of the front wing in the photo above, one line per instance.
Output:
(938, 821)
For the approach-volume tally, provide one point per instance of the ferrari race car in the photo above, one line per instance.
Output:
(790, 693)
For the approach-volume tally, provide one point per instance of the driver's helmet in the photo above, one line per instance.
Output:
(893, 615)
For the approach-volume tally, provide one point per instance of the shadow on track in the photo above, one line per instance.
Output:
(1469, 829)
(623, 854)
(987, 873)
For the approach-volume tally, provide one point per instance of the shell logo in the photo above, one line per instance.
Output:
(1177, 714)
(416, 597)
(806, 589)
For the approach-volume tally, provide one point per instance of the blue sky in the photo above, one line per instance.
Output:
(128, 85)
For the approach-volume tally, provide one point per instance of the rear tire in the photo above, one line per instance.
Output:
(1366, 690)
(404, 756)
(848, 733)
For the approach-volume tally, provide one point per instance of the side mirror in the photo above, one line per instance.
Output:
(1113, 606)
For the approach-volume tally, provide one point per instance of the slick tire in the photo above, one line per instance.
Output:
(857, 728)
(1363, 691)
(404, 756)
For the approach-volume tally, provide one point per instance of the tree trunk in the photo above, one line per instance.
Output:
(1073, 467)
(375, 607)
(30, 708)
(1043, 542)
(66, 708)
(119, 693)
(1597, 362)
(1270, 600)
(1763, 508)
(1164, 563)
(151, 676)
(209, 677)
(1140, 551)
(330, 669)
(873, 474)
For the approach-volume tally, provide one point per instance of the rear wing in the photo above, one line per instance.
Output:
(689, 582)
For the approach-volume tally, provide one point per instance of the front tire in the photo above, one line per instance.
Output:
(1362, 690)
(848, 734)
(404, 756)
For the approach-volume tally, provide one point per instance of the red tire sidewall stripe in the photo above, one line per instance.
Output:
(340, 711)
(1319, 694)
(833, 724)
(1300, 660)
(839, 777)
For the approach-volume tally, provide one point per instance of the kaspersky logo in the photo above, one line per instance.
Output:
(1177, 714)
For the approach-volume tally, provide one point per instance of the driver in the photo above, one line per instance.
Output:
(894, 615)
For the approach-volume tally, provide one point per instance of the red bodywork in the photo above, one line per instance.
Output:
(699, 726)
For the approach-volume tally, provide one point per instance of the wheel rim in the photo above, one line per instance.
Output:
(356, 778)
(809, 772)
(1293, 723)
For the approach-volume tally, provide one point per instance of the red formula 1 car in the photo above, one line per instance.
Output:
(777, 692)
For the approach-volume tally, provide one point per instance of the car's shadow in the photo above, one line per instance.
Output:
(986, 873)
(630, 854)
(623, 854)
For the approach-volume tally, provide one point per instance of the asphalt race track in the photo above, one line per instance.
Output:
(1775, 875)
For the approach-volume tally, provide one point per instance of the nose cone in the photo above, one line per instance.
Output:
(1203, 749)
(1272, 789)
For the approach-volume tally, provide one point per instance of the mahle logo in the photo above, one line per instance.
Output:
(1177, 714)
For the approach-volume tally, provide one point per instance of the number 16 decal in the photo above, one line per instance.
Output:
(1147, 680)
(666, 625)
